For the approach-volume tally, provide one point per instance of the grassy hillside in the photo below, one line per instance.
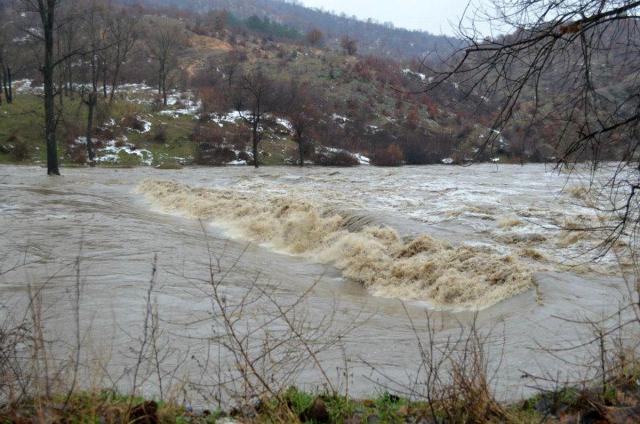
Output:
(363, 104)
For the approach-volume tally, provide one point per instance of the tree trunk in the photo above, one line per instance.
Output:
(7, 83)
(91, 105)
(9, 87)
(47, 16)
(114, 79)
(4, 84)
(255, 144)
(300, 148)
(164, 88)
(105, 91)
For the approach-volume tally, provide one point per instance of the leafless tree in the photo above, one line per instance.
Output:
(561, 57)
(122, 32)
(315, 37)
(165, 40)
(300, 107)
(349, 45)
(252, 95)
(94, 32)
(46, 11)
(5, 64)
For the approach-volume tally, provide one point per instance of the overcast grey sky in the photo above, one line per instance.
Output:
(435, 16)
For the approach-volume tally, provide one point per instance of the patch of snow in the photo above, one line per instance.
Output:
(494, 160)
(146, 126)
(26, 86)
(237, 162)
(229, 118)
(362, 159)
(447, 161)
(373, 129)
(285, 123)
(408, 71)
(191, 108)
(111, 153)
(342, 120)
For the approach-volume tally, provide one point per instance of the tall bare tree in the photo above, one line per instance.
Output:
(165, 40)
(122, 32)
(5, 60)
(253, 95)
(46, 10)
(97, 45)
(349, 45)
(300, 105)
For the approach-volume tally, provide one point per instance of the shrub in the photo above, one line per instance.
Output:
(246, 156)
(18, 149)
(73, 140)
(105, 133)
(391, 156)
(160, 134)
(133, 122)
(78, 154)
(335, 158)
(209, 134)
(212, 155)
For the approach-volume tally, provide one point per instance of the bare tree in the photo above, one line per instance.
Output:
(96, 47)
(315, 37)
(122, 33)
(349, 45)
(300, 106)
(5, 64)
(561, 57)
(46, 11)
(253, 95)
(68, 40)
(231, 65)
(165, 40)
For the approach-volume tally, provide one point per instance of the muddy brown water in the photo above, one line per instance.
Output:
(45, 223)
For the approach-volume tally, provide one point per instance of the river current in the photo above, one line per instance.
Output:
(451, 241)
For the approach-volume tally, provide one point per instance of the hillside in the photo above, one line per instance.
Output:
(361, 108)
(373, 38)
(361, 104)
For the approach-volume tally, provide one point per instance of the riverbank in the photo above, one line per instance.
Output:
(618, 404)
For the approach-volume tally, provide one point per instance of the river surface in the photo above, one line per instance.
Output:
(108, 219)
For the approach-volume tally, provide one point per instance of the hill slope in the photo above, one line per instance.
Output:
(373, 38)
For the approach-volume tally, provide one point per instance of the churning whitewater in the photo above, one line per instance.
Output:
(422, 268)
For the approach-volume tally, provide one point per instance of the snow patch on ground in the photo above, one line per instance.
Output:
(190, 107)
(361, 158)
(237, 162)
(407, 71)
(228, 118)
(285, 123)
(111, 153)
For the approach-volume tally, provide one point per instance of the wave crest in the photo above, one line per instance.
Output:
(423, 268)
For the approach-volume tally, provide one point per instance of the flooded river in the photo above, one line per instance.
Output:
(449, 240)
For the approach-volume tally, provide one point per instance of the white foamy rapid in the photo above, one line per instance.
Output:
(423, 268)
